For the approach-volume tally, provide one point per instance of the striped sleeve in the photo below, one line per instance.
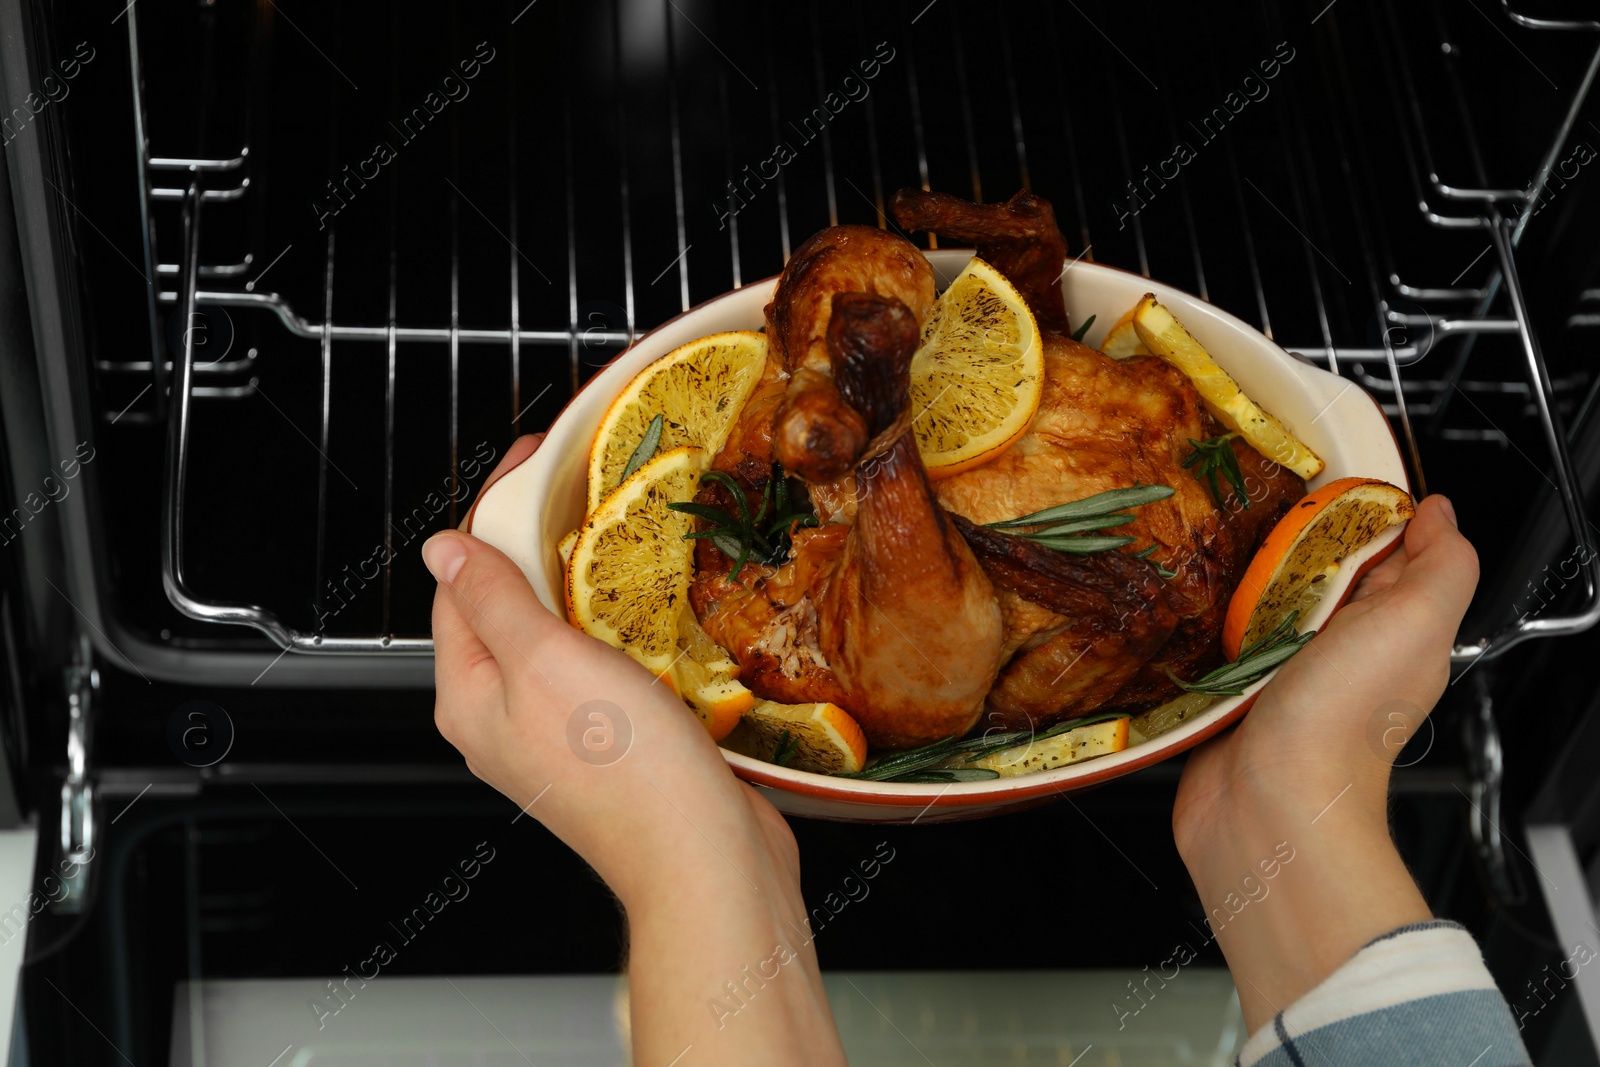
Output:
(1418, 994)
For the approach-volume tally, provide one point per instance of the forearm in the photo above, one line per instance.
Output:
(721, 963)
(1317, 891)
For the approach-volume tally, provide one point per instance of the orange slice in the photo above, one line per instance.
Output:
(977, 375)
(1290, 571)
(698, 389)
(628, 575)
(706, 677)
(821, 738)
(1122, 340)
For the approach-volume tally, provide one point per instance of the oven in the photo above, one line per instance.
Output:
(280, 280)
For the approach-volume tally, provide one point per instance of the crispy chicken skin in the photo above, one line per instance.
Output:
(902, 607)
(1102, 424)
(815, 437)
(890, 616)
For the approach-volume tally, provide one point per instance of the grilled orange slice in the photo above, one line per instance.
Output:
(698, 389)
(821, 737)
(1164, 335)
(628, 575)
(978, 374)
(1290, 571)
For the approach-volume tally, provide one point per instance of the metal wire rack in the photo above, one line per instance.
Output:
(1404, 319)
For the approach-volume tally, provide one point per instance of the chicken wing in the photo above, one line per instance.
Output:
(889, 616)
(1018, 238)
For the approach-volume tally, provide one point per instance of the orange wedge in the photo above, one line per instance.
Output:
(1164, 335)
(1290, 571)
(1073, 746)
(1122, 340)
(706, 677)
(821, 738)
(977, 375)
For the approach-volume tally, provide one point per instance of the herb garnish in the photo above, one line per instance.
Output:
(1214, 456)
(1144, 553)
(787, 745)
(763, 535)
(1077, 335)
(1097, 512)
(922, 764)
(1255, 660)
(647, 448)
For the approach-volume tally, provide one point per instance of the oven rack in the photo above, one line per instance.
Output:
(1494, 306)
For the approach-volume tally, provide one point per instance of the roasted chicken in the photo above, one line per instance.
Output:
(901, 606)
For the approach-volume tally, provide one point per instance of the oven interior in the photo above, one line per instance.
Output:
(323, 262)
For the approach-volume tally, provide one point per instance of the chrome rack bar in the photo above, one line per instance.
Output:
(146, 223)
(177, 479)
(1586, 616)
(311, 331)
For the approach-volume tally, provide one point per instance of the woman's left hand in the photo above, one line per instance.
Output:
(596, 748)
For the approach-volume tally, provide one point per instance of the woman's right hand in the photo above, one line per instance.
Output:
(1306, 774)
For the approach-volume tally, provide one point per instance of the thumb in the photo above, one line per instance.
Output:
(1441, 565)
(494, 598)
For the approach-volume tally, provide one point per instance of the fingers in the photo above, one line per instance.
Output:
(462, 664)
(1441, 565)
(495, 601)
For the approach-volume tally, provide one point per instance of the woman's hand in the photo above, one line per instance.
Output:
(588, 742)
(1306, 774)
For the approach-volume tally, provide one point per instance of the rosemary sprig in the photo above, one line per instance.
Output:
(1255, 660)
(787, 745)
(1215, 456)
(763, 535)
(912, 764)
(1106, 503)
(947, 775)
(646, 449)
(1144, 553)
(1077, 335)
(1064, 524)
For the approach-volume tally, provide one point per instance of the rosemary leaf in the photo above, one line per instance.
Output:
(731, 546)
(909, 761)
(950, 775)
(1113, 500)
(647, 448)
(787, 746)
(1215, 456)
(1094, 522)
(736, 490)
(1081, 546)
(1255, 660)
(1077, 335)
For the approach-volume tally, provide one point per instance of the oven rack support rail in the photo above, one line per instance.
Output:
(1500, 214)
